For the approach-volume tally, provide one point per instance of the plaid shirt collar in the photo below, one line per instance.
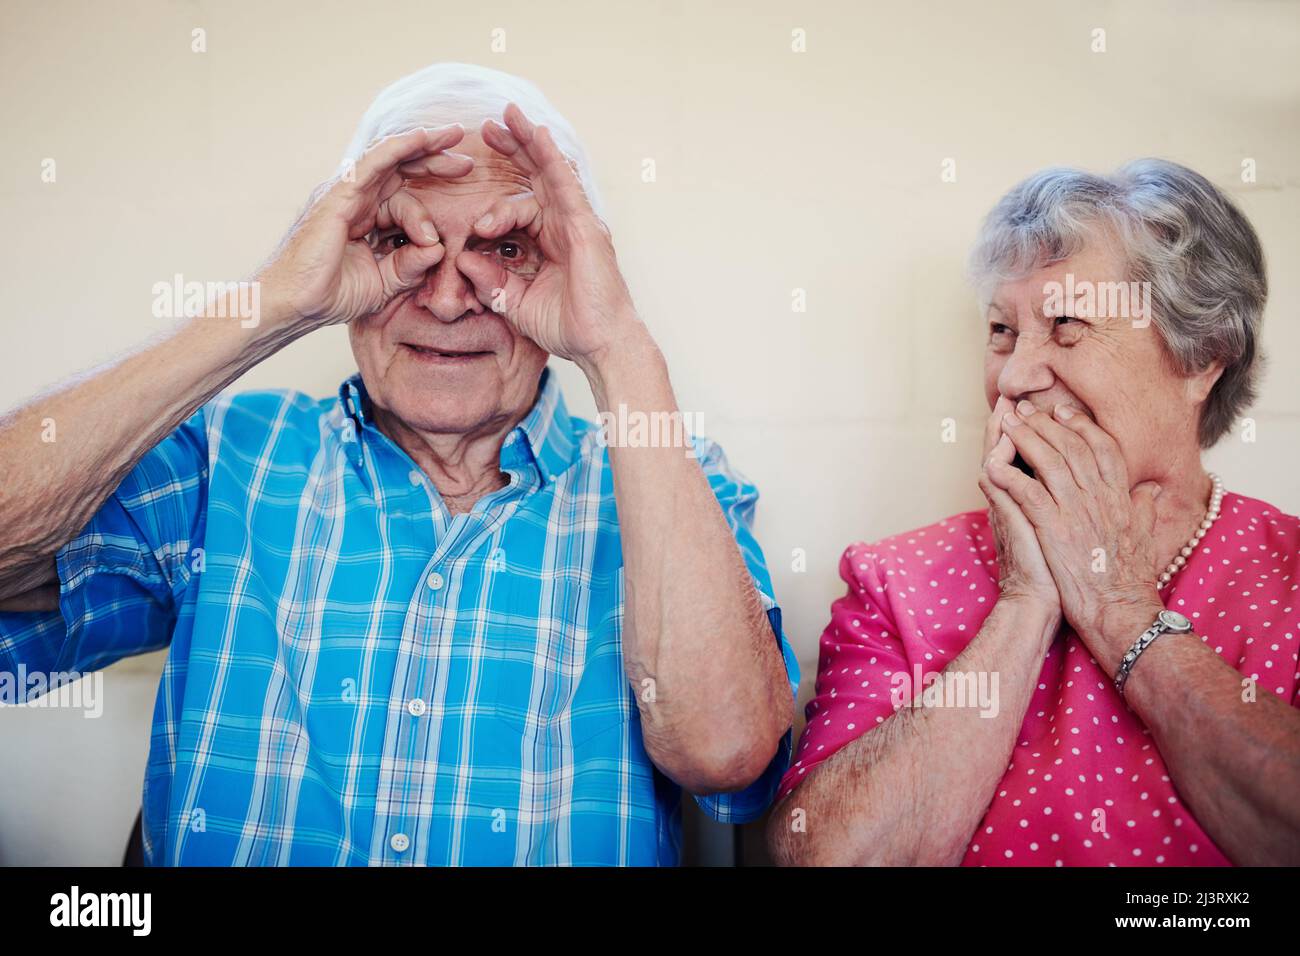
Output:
(545, 434)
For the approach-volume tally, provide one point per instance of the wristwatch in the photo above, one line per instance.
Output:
(1167, 622)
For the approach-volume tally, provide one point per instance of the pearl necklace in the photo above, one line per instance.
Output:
(1211, 513)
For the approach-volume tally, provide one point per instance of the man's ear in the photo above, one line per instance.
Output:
(1200, 383)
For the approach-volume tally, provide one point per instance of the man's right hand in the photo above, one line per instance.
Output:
(325, 271)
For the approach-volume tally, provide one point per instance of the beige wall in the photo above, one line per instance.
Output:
(776, 171)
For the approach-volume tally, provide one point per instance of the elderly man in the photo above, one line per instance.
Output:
(436, 619)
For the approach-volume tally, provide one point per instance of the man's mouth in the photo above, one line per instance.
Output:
(443, 356)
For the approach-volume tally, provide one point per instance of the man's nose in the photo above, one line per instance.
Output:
(1027, 369)
(446, 294)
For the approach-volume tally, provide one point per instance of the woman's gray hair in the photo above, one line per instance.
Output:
(446, 93)
(1179, 232)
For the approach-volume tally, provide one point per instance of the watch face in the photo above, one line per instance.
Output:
(1175, 621)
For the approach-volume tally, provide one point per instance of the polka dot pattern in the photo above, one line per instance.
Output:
(1086, 785)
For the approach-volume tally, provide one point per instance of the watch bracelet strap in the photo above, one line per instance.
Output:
(1145, 640)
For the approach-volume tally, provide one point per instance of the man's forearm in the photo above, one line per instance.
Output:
(912, 790)
(104, 421)
(700, 653)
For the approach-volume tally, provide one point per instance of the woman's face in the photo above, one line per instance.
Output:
(1048, 344)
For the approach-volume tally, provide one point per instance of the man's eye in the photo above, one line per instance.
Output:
(1061, 320)
(383, 245)
(516, 253)
(997, 328)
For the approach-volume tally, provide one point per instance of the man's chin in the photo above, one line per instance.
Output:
(443, 388)
(441, 415)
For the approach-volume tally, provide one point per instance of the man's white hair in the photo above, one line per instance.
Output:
(446, 93)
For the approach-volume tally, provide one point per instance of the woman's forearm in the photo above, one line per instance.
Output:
(1232, 747)
(912, 791)
(66, 450)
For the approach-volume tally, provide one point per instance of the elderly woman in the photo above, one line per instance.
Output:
(1100, 668)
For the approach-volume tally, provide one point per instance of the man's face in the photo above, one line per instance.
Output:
(435, 357)
(1119, 374)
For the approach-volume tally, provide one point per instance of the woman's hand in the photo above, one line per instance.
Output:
(1023, 573)
(1096, 534)
(577, 305)
(325, 271)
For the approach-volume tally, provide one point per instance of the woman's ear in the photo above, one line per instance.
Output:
(1200, 383)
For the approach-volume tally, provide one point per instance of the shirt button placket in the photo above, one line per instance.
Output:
(416, 706)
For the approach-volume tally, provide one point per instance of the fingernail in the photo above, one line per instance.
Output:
(484, 222)
(1025, 408)
(1064, 412)
(429, 232)
(1010, 420)
(1156, 493)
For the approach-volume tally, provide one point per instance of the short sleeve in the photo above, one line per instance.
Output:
(738, 497)
(120, 577)
(860, 651)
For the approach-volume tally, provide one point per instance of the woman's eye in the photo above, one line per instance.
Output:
(1002, 338)
(1068, 329)
(510, 249)
(1071, 323)
(397, 240)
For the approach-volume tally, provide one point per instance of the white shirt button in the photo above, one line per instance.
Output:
(400, 842)
(415, 475)
(435, 581)
(415, 707)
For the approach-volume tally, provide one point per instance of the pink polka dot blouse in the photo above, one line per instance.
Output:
(917, 599)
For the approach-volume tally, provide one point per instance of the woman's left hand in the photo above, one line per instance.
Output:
(1096, 534)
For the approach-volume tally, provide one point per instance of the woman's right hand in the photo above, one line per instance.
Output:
(1022, 570)
(325, 271)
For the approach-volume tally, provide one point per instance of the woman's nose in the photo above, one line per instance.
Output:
(1027, 370)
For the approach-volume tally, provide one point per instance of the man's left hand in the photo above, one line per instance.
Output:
(577, 305)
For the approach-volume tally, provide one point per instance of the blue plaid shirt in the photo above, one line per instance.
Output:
(357, 676)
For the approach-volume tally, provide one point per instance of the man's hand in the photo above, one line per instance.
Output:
(694, 624)
(577, 305)
(326, 271)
